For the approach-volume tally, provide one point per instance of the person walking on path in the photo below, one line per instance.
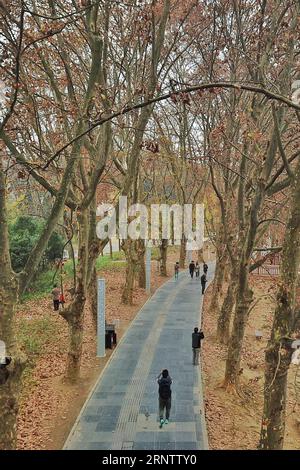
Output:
(62, 300)
(197, 336)
(165, 393)
(197, 269)
(56, 297)
(176, 268)
(203, 282)
(205, 268)
(192, 268)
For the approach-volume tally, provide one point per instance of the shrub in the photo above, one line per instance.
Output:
(24, 234)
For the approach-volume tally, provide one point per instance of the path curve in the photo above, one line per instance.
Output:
(122, 411)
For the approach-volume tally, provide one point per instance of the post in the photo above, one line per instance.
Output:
(101, 318)
(148, 269)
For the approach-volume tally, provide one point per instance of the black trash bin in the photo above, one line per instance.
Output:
(110, 336)
(109, 340)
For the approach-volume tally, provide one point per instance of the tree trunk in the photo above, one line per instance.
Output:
(10, 375)
(142, 274)
(163, 257)
(226, 277)
(182, 253)
(244, 295)
(142, 266)
(132, 260)
(243, 301)
(96, 247)
(75, 348)
(218, 284)
(277, 362)
(200, 255)
(278, 352)
(221, 259)
(93, 297)
(127, 294)
(223, 327)
(74, 314)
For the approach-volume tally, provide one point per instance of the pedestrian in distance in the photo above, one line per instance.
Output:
(176, 268)
(192, 268)
(164, 395)
(62, 300)
(197, 336)
(56, 297)
(203, 282)
(197, 269)
(205, 268)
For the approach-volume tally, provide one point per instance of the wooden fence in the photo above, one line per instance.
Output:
(267, 270)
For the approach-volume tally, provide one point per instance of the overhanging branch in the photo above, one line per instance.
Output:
(238, 86)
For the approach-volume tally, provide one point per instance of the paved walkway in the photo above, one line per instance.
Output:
(122, 411)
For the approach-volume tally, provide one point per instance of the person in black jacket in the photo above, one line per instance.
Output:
(197, 336)
(176, 269)
(203, 282)
(192, 268)
(164, 381)
(205, 268)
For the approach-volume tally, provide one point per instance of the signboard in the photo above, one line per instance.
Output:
(101, 318)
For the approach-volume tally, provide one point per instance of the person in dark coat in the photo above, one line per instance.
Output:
(176, 269)
(203, 282)
(205, 268)
(197, 336)
(165, 393)
(192, 268)
(56, 297)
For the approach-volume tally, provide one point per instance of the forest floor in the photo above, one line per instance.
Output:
(48, 406)
(233, 422)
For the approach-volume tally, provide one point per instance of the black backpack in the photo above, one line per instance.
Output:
(164, 389)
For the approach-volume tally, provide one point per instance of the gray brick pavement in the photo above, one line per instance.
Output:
(122, 412)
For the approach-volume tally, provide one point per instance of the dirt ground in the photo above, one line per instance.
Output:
(49, 407)
(234, 422)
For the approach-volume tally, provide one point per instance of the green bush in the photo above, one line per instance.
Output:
(24, 234)
(55, 247)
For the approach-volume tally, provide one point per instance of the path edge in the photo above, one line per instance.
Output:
(201, 384)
